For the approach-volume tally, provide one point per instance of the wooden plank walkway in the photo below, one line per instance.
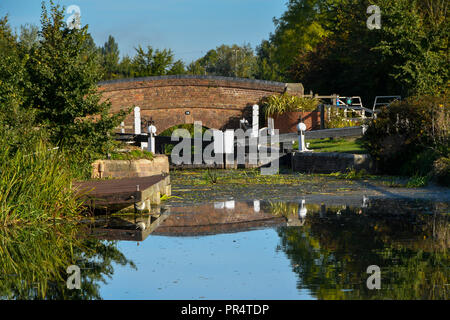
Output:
(118, 194)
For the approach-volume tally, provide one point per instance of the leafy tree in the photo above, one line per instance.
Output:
(16, 122)
(298, 30)
(177, 68)
(64, 74)
(110, 58)
(414, 41)
(11, 70)
(195, 68)
(326, 44)
(345, 60)
(126, 67)
(228, 61)
(267, 67)
(155, 62)
(29, 36)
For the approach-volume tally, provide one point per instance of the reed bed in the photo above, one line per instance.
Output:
(35, 185)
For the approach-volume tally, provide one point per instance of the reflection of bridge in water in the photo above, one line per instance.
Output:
(207, 219)
(219, 217)
(202, 219)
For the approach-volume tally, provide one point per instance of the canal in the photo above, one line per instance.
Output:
(240, 235)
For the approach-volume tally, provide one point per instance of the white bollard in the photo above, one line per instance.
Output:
(137, 120)
(151, 138)
(255, 120)
(122, 127)
(301, 128)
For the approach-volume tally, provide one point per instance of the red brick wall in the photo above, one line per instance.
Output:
(287, 122)
(218, 102)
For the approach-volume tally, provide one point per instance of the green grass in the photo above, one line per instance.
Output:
(132, 155)
(346, 145)
(352, 174)
(417, 182)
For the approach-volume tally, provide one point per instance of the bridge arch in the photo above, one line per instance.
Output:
(218, 102)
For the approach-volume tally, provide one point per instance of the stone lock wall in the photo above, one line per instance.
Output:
(130, 168)
(329, 162)
(218, 102)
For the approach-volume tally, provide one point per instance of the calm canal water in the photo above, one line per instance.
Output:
(289, 250)
(230, 248)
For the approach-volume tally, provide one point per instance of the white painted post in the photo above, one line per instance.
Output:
(122, 127)
(255, 120)
(137, 120)
(151, 138)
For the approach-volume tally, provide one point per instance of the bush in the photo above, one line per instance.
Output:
(441, 171)
(408, 136)
(279, 104)
(338, 120)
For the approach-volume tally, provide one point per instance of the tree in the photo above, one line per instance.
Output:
(195, 68)
(228, 61)
(12, 71)
(177, 68)
(298, 30)
(345, 60)
(326, 45)
(110, 58)
(29, 36)
(64, 74)
(16, 121)
(155, 62)
(266, 66)
(126, 67)
(415, 42)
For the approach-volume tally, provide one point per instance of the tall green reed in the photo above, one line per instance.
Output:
(35, 185)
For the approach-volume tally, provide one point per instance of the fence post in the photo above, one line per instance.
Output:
(137, 120)
(151, 138)
(255, 120)
(334, 99)
(322, 116)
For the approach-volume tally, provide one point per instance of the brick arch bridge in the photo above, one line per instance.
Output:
(218, 102)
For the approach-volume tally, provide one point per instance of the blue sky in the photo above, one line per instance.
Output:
(189, 27)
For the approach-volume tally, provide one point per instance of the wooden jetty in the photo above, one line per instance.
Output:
(126, 195)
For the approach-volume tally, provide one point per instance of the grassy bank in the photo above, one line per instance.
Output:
(346, 145)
